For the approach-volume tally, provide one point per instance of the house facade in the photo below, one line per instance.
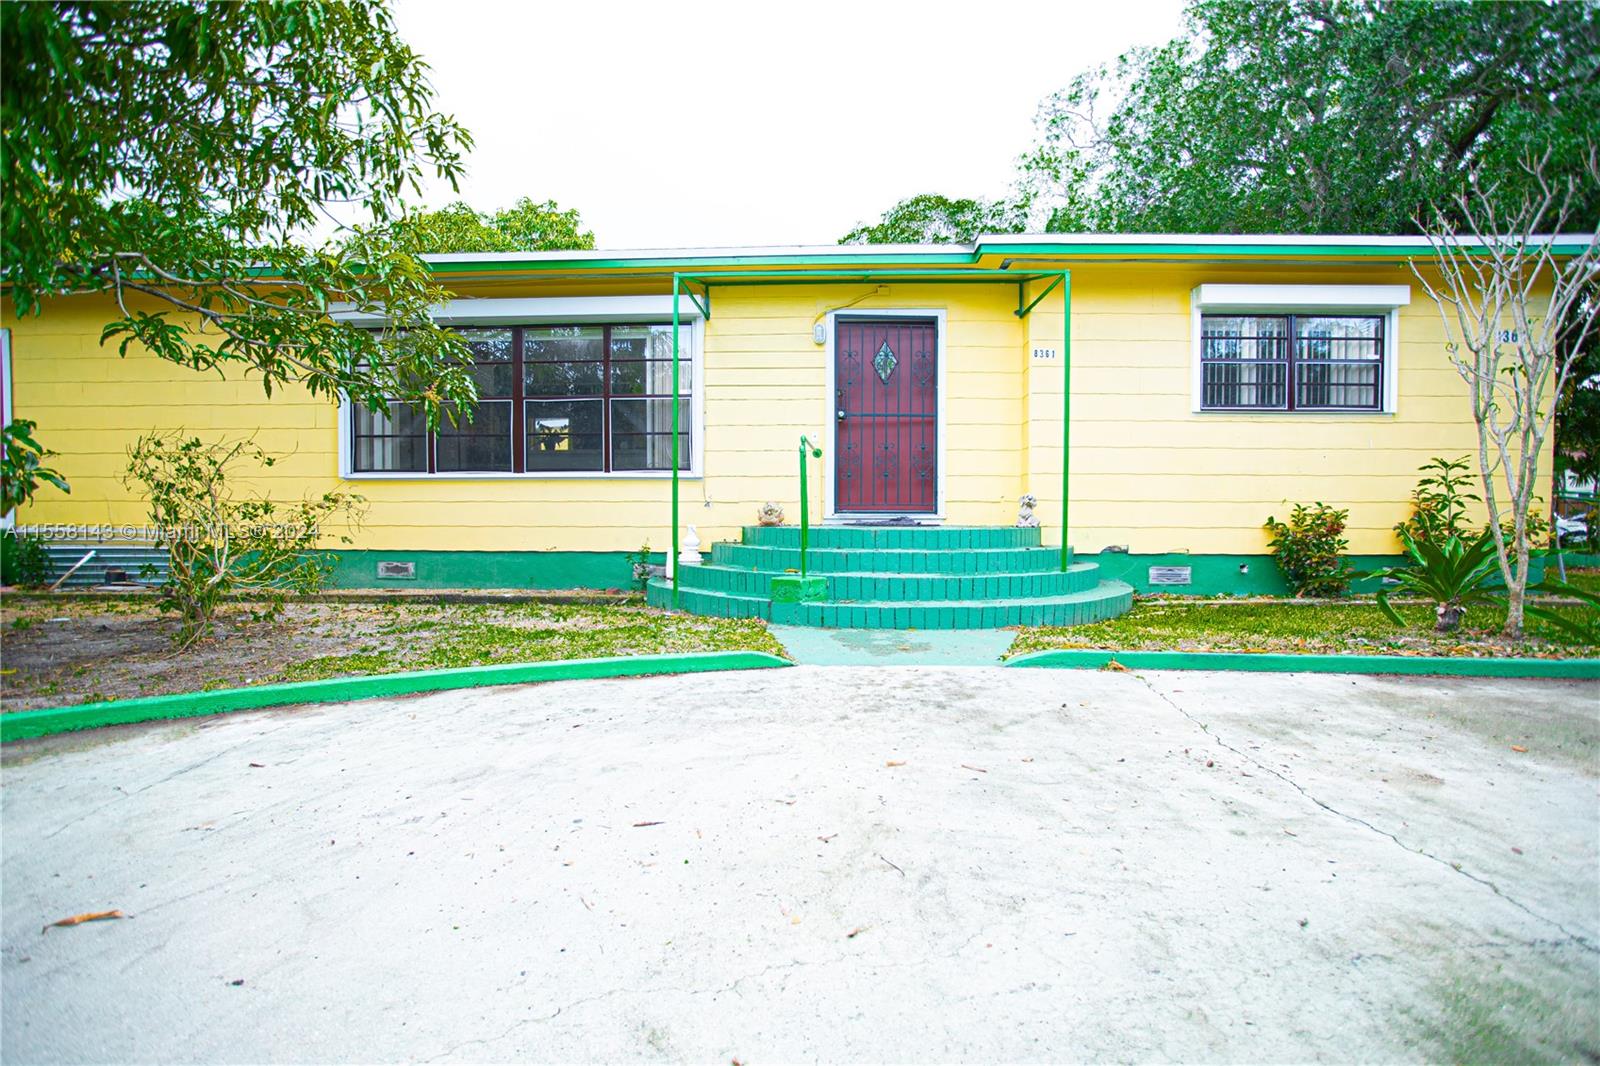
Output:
(1161, 397)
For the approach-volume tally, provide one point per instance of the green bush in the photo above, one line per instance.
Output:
(220, 543)
(1452, 573)
(27, 563)
(1309, 549)
(1439, 502)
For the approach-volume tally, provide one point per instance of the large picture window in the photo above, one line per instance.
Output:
(551, 399)
(1311, 362)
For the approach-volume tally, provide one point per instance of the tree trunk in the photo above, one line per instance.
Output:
(1517, 592)
(1448, 617)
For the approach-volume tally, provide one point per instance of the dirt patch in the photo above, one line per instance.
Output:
(60, 651)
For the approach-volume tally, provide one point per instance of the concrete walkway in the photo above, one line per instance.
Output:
(821, 864)
(812, 646)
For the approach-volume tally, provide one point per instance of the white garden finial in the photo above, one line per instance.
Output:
(691, 548)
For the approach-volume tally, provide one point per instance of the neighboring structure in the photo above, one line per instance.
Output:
(1214, 382)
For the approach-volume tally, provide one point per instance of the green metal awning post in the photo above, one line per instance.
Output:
(1066, 403)
(1022, 312)
(705, 308)
(672, 560)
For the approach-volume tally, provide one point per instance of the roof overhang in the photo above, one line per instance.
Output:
(1021, 251)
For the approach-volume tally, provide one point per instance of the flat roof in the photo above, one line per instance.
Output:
(1002, 248)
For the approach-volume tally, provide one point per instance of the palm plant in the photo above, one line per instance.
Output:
(1584, 625)
(1452, 573)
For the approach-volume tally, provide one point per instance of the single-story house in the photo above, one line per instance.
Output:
(1158, 396)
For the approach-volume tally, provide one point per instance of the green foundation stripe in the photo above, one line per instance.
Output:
(1095, 658)
(49, 720)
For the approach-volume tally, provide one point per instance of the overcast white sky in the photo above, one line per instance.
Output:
(684, 124)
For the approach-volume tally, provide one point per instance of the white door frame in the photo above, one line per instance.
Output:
(831, 421)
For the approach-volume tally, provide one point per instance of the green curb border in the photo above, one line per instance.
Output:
(1252, 662)
(48, 720)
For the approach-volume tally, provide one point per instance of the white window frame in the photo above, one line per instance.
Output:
(830, 433)
(563, 311)
(1366, 300)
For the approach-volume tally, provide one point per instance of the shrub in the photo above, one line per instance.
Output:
(1452, 574)
(221, 544)
(1309, 549)
(27, 563)
(1439, 502)
(642, 570)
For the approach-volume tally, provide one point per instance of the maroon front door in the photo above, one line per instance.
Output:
(886, 406)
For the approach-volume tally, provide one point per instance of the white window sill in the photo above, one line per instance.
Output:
(570, 475)
(1332, 412)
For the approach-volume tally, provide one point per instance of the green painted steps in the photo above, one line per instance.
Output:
(898, 577)
(907, 560)
(873, 585)
(921, 538)
(1106, 600)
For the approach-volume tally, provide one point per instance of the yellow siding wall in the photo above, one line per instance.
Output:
(1146, 471)
(1149, 473)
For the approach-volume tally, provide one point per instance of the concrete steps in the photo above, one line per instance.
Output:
(898, 577)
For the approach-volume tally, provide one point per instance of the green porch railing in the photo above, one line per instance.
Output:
(805, 502)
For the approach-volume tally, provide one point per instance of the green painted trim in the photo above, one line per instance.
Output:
(1219, 575)
(1094, 659)
(43, 722)
(1213, 575)
(688, 263)
(358, 569)
(1254, 251)
(684, 264)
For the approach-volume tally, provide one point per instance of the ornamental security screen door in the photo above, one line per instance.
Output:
(886, 385)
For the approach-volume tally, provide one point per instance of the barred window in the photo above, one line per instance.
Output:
(582, 398)
(1291, 362)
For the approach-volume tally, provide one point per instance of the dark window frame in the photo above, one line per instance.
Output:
(520, 397)
(1292, 361)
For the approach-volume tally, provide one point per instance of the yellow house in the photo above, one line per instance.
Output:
(1212, 381)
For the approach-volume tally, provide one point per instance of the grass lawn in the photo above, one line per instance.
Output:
(62, 650)
(1587, 580)
(1357, 627)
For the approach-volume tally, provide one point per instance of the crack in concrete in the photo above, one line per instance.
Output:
(1575, 938)
(125, 795)
(731, 986)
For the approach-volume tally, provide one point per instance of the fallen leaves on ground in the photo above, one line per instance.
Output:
(79, 919)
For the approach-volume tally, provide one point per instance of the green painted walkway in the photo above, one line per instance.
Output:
(894, 647)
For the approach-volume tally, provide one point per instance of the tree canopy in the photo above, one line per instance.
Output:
(1319, 116)
(526, 226)
(175, 155)
(934, 219)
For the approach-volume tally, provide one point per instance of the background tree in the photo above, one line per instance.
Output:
(1511, 311)
(173, 155)
(933, 219)
(526, 226)
(1320, 116)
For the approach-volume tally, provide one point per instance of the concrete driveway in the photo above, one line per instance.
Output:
(840, 864)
